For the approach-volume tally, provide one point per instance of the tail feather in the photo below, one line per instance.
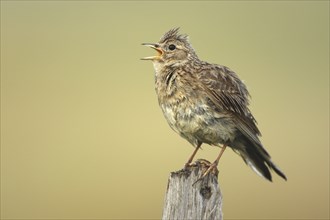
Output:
(258, 166)
(257, 158)
(276, 169)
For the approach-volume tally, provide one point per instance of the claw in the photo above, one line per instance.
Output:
(212, 167)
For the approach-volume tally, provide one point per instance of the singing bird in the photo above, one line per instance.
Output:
(206, 103)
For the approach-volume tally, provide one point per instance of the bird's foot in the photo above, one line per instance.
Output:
(187, 165)
(212, 168)
(197, 163)
(189, 162)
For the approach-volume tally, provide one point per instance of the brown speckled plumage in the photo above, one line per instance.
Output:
(206, 103)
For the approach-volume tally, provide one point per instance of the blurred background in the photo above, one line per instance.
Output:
(82, 135)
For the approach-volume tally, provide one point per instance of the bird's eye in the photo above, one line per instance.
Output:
(171, 47)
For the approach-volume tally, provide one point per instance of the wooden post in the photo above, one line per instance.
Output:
(186, 200)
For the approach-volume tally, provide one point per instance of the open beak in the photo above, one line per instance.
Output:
(157, 48)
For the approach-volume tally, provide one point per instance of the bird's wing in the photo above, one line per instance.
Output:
(227, 92)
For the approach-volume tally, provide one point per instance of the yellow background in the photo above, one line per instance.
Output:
(82, 135)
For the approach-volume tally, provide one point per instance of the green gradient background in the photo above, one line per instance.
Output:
(82, 135)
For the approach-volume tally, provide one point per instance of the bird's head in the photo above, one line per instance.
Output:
(172, 49)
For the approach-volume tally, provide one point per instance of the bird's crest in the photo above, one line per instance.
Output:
(173, 34)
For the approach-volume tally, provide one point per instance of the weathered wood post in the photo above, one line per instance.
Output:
(185, 200)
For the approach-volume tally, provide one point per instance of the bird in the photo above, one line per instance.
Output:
(206, 104)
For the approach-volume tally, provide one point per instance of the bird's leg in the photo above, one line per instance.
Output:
(214, 164)
(192, 156)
